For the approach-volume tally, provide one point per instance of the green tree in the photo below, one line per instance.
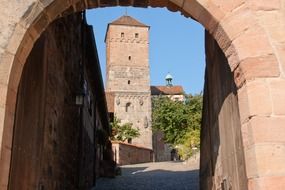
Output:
(123, 132)
(179, 121)
(169, 117)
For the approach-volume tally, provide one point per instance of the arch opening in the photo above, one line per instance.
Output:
(211, 19)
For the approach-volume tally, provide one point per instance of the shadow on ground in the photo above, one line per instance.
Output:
(144, 178)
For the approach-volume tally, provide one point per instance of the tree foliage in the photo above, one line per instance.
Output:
(123, 132)
(179, 121)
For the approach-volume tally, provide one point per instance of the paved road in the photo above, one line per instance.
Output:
(154, 176)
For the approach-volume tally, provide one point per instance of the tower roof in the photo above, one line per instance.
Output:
(127, 20)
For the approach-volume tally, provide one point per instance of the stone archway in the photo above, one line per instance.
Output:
(254, 53)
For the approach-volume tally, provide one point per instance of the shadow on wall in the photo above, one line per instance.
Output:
(138, 178)
(222, 158)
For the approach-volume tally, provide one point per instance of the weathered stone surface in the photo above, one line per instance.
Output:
(265, 5)
(265, 183)
(128, 76)
(281, 54)
(130, 154)
(266, 130)
(254, 42)
(254, 99)
(258, 67)
(277, 89)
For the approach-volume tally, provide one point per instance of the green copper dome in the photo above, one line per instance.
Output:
(168, 77)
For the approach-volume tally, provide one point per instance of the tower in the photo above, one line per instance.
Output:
(128, 79)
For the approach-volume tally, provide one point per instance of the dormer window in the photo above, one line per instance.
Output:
(122, 34)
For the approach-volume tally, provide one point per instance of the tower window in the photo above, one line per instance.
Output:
(129, 82)
(122, 34)
(130, 57)
(128, 106)
(136, 35)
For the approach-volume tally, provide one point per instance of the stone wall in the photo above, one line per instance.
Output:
(161, 150)
(54, 143)
(125, 153)
(222, 164)
(250, 33)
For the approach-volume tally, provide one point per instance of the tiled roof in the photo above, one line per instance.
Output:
(166, 90)
(110, 101)
(127, 20)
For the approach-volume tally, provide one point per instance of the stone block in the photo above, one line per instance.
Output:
(8, 130)
(250, 160)
(266, 130)
(270, 159)
(229, 5)
(265, 5)
(56, 8)
(254, 100)
(265, 159)
(33, 12)
(15, 74)
(273, 23)
(245, 135)
(281, 54)
(266, 183)
(3, 94)
(208, 14)
(277, 88)
(45, 3)
(178, 2)
(253, 42)
(5, 67)
(264, 66)
(2, 116)
(5, 166)
(11, 100)
(25, 48)
(16, 39)
(237, 22)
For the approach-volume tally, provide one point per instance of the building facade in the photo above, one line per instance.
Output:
(128, 79)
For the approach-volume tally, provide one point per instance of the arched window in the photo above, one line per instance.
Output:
(128, 105)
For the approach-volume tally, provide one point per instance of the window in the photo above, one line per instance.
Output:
(136, 35)
(122, 34)
(130, 58)
(129, 82)
(128, 105)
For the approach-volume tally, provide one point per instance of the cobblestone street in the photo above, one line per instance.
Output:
(154, 176)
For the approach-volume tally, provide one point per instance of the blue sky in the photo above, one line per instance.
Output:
(176, 44)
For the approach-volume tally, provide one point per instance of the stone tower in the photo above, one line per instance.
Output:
(128, 79)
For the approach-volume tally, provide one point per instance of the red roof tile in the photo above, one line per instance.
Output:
(166, 90)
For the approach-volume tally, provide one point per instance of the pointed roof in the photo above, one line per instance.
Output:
(128, 20)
